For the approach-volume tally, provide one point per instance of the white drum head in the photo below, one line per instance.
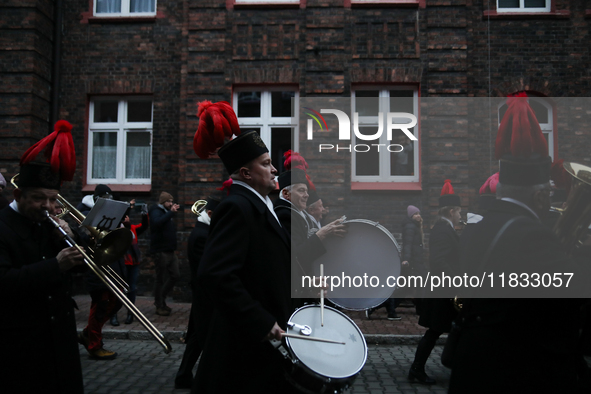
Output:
(328, 359)
(368, 255)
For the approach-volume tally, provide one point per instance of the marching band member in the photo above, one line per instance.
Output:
(514, 345)
(38, 327)
(195, 246)
(437, 314)
(245, 267)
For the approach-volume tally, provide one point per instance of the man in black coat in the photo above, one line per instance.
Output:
(517, 345)
(37, 327)
(306, 244)
(437, 314)
(245, 275)
(195, 247)
(162, 248)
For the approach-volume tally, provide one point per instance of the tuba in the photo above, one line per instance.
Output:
(574, 221)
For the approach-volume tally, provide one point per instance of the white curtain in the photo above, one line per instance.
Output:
(137, 165)
(108, 6)
(142, 6)
(104, 161)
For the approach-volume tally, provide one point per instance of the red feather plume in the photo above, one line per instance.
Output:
(294, 160)
(226, 186)
(217, 121)
(490, 186)
(519, 133)
(59, 150)
(447, 188)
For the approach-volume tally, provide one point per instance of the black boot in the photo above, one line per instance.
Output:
(129, 319)
(114, 321)
(419, 374)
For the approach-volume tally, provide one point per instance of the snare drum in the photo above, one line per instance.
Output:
(319, 367)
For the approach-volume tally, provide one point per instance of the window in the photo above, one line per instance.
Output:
(381, 159)
(544, 113)
(274, 2)
(120, 141)
(124, 7)
(523, 5)
(269, 113)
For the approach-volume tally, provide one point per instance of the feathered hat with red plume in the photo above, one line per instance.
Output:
(59, 153)
(293, 160)
(218, 123)
(488, 192)
(520, 145)
(447, 197)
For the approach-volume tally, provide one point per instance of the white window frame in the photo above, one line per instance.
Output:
(384, 158)
(522, 8)
(266, 122)
(122, 127)
(125, 4)
(547, 128)
(270, 2)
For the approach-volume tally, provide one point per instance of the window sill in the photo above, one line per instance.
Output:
(561, 14)
(231, 4)
(121, 188)
(410, 186)
(385, 3)
(87, 17)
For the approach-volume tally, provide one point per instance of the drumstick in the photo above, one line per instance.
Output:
(321, 295)
(311, 338)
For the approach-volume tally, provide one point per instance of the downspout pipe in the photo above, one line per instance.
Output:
(56, 66)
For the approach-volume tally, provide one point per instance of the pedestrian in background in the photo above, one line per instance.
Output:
(163, 245)
(412, 250)
(132, 259)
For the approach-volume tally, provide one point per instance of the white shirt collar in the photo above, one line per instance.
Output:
(514, 201)
(265, 199)
(301, 213)
(14, 206)
(449, 221)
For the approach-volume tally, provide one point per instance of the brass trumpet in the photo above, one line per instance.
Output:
(198, 206)
(96, 269)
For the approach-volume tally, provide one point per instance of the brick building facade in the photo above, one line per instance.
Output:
(92, 64)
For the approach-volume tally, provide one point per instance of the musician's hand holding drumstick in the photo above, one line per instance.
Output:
(333, 228)
(68, 258)
(275, 333)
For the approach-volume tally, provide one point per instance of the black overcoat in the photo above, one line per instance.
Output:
(245, 272)
(37, 323)
(515, 345)
(412, 246)
(305, 246)
(444, 257)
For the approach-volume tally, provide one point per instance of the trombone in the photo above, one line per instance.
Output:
(106, 255)
(109, 245)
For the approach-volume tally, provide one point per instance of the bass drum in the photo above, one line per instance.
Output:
(320, 367)
(359, 265)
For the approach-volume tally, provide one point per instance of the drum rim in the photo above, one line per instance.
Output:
(287, 340)
(389, 234)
